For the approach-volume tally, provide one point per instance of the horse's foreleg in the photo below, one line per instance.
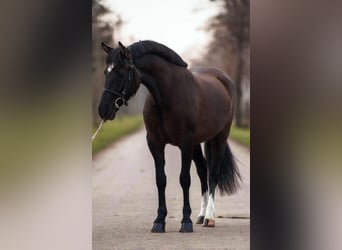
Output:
(201, 166)
(157, 152)
(185, 181)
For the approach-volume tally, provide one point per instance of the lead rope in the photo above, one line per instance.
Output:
(98, 129)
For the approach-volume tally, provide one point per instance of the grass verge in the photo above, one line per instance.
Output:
(242, 135)
(114, 130)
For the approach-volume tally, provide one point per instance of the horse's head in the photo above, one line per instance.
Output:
(122, 81)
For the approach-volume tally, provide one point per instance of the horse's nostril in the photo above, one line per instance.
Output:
(102, 112)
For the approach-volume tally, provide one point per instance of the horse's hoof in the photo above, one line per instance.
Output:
(209, 223)
(158, 228)
(200, 220)
(186, 227)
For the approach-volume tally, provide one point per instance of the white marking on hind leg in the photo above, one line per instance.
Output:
(210, 208)
(204, 203)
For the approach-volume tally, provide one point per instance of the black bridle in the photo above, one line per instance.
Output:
(122, 97)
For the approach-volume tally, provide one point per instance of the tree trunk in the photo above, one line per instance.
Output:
(238, 80)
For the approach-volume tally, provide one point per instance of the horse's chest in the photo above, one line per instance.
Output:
(166, 126)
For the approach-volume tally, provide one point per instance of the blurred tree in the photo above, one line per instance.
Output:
(231, 33)
(102, 30)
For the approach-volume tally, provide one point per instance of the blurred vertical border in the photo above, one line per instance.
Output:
(45, 95)
(296, 120)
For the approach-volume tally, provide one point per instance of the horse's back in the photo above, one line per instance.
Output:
(218, 74)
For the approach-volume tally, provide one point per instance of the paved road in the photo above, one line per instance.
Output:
(125, 202)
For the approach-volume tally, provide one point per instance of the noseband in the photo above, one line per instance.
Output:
(122, 99)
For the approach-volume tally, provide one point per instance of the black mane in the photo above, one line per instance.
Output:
(142, 48)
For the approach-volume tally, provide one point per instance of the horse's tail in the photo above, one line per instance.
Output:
(228, 173)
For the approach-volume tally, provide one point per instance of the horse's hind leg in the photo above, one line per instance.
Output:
(201, 166)
(157, 152)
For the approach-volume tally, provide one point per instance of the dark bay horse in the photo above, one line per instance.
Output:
(184, 108)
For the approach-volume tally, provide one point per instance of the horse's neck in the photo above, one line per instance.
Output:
(153, 88)
(153, 79)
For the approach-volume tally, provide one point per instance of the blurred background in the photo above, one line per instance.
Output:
(212, 33)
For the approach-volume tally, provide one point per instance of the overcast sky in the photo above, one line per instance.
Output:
(176, 23)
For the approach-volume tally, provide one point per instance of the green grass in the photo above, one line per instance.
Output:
(114, 130)
(241, 135)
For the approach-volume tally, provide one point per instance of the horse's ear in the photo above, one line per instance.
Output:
(124, 51)
(106, 48)
(121, 45)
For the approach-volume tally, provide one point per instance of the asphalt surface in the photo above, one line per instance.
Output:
(125, 201)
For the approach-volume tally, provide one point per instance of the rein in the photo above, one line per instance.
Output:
(97, 130)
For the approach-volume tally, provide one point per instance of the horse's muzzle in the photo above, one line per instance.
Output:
(107, 113)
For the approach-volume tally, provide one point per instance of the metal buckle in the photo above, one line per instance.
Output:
(116, 102)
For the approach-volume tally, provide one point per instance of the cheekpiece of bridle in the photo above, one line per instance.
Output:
(122, 98)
